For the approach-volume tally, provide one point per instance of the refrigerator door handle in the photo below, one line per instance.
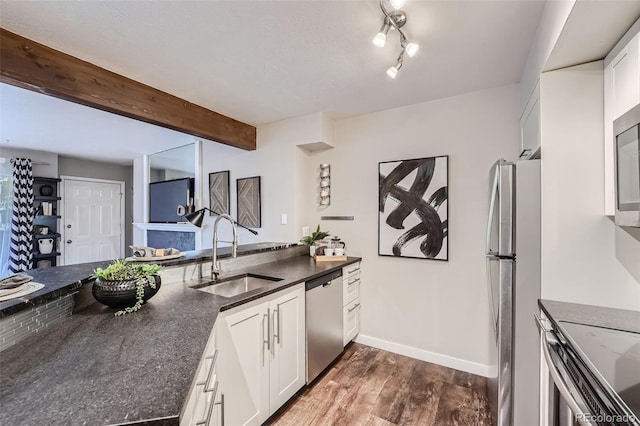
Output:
(494, 314)
(492, 205)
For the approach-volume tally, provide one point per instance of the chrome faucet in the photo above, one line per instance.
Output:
(215, 265)
(196, 219)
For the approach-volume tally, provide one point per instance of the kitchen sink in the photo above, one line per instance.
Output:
(229, 287)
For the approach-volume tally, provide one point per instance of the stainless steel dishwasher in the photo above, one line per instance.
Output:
(324, 322)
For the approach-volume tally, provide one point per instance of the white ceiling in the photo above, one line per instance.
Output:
(263, 61)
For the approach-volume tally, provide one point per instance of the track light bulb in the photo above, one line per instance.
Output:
(380, 39)
(392, 72)
(412, 49)
(397, 4)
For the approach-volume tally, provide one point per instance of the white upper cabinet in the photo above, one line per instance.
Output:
(625, 78)
(621, 93)
(530, 126)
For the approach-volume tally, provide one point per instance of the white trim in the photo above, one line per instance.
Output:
(428, 356)
(145, 190)
(123, 201)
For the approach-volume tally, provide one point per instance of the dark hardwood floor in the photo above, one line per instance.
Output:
(369, 386)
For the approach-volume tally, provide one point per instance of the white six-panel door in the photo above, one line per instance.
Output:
(93, 222)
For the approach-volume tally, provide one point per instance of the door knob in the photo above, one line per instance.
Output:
(69, 241)
(68, 226)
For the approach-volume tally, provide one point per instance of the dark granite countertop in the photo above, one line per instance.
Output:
(95, 368)
(61, 280)
(619, 319)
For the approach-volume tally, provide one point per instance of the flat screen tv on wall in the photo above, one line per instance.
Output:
(166, 196)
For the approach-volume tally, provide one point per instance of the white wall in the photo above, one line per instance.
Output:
(430, 309)
(49, 170)
(579, 261)
(274, 161)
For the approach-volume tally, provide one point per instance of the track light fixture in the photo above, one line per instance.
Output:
(395, 18)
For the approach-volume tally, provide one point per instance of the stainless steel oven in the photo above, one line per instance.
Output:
(626, 131)
(579, 393)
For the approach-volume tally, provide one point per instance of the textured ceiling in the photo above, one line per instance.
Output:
(263, 61)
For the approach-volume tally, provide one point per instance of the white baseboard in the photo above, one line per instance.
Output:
(428, 356)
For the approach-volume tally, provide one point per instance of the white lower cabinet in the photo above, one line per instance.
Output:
(261, 361)
(351, 321)
(351, 302)
(204, 404)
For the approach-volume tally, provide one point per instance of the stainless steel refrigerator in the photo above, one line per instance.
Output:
(513, 280)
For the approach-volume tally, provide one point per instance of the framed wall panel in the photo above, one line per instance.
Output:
(219, 193)
(248, 198)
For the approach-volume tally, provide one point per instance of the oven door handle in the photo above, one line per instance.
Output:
(560, 383)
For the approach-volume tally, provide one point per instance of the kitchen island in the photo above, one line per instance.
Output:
(95, 368)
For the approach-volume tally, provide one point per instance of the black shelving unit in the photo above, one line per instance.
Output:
(50, 221)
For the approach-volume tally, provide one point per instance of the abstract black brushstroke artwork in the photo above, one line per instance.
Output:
(413, 208)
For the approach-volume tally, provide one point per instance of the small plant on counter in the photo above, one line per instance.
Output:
(120, 273)
(316, 236)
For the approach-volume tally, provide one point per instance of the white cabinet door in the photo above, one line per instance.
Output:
(351, 321)
(287, 367)
(530, 126)
(626, 78)
(244, 342)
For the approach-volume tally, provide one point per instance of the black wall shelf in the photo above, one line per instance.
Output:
(41, 236)
(46, 179)
(43, 198)
(38, 256)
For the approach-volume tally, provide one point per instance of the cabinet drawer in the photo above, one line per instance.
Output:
(208, 358)
(351, 271)
(351, 289)
(351, 321)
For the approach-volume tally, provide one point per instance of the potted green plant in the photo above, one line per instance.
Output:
(312, 239)
(126, 285)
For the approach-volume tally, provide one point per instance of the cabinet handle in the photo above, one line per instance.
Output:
(210, 410)
(206, 382)
(354, 308)
(524, 152)
(353, 270)
(276, 328)
(210, 375)
(267, 340)
(221, 404)
(354, 281)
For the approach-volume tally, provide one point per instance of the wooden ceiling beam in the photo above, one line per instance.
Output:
(34, 66)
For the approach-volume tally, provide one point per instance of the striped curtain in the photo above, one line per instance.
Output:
(21, 248)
